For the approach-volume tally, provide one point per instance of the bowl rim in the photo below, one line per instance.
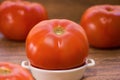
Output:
(88, 63)
(58, 71)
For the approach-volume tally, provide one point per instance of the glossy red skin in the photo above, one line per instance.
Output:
(18, 17)
(102, 25)
(16, 72)
(47, 50)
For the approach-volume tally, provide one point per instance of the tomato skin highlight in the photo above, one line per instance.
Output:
(102, 26)
(18, 17)
(10, 71)
(57, 44)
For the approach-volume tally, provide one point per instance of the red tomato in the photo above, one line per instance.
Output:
(102, 25)
(18, 17)
(57, 44)
(10, 71)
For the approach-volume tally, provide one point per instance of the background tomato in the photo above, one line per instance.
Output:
(57, 44)
(10, 71)
(18, 17)
(102, 25)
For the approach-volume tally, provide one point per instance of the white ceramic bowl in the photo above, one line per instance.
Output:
(71, 74)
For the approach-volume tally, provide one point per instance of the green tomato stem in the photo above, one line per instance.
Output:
(4, 71)
(59, 30)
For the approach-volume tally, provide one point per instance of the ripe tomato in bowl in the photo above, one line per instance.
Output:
(57, 44)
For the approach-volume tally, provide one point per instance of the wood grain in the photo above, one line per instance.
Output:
(107, 61)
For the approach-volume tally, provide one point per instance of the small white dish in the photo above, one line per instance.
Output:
(71, 74)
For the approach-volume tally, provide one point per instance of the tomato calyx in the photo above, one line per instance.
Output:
(59, 30)
(109, 9)
(4, 71)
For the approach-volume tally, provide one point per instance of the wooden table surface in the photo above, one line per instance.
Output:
(107, 61)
